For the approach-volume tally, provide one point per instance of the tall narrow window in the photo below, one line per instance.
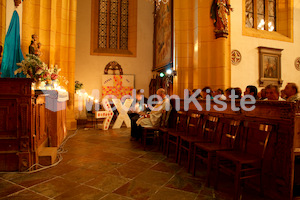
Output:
(124, 25)
(116, 27)
(113, 24)
(272, 15)
(249, 14)
(261, 14)
(270, 19)
(103, 24)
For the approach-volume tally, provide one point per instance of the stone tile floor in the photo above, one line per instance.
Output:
(105, 165)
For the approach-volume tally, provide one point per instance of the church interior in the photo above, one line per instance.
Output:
(221, 77)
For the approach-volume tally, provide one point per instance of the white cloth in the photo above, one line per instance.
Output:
(155, 115)
(222, 97)
(294, 98)
(62, 96)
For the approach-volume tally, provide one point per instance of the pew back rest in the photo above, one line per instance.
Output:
(255, 137)
(209, 127)
(193, 123)
(229, 131)
(181, 121)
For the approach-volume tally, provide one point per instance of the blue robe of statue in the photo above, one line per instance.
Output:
(12, 49)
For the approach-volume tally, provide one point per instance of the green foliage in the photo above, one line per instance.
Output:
(78, 85)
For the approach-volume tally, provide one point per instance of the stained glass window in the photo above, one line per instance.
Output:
(261, 14)
(113, 24)
(272, 15)
(102, 24)
(124, 25)
(249, 14)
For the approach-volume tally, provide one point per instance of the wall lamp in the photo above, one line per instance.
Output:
(171, 72)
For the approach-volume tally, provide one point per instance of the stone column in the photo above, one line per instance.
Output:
(212, 65)
(184, 37)
(200, 59)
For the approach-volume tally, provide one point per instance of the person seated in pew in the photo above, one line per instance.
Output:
(228, 93)
(206, 92)
(251, 90)
(198, 96)
(282, 94)
(153, 118)
(219, 92)
(138, 109)
(272, 93)
(262, 94)
(291, 92)
(238, 92)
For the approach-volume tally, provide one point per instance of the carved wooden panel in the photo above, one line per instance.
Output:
(4, 118)
(9, 145)
(41, 130)
(9, 162)
(15, 124)
(16, 86)
(24, 145)
(8, 118)
(25, 120)
(24, 161)
(297, 134)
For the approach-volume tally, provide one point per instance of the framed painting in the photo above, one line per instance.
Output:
(163, 36)
(269, 66)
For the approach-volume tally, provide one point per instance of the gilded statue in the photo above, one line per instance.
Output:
(219, 12)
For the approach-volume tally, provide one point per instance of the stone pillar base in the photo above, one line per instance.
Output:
(71, 124)
(71, 121)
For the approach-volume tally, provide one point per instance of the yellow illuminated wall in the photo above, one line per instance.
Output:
(55, 23)
(2, 21)
(247, 41)
(200, 59)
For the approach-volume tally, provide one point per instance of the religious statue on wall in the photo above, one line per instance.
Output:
(35, 46)
(17, 2)
(220, 9)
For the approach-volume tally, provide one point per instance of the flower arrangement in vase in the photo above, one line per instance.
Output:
(37, 70)
(33, 68)
(54, 71)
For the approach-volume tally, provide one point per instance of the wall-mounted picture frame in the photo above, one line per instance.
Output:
(269, 66)
(163, 36)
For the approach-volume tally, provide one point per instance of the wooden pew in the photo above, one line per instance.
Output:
(284, 143)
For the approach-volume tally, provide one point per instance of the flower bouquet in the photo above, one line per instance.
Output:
(33, 68)
(54, 71)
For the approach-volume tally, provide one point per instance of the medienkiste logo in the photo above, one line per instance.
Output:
(247, 102)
